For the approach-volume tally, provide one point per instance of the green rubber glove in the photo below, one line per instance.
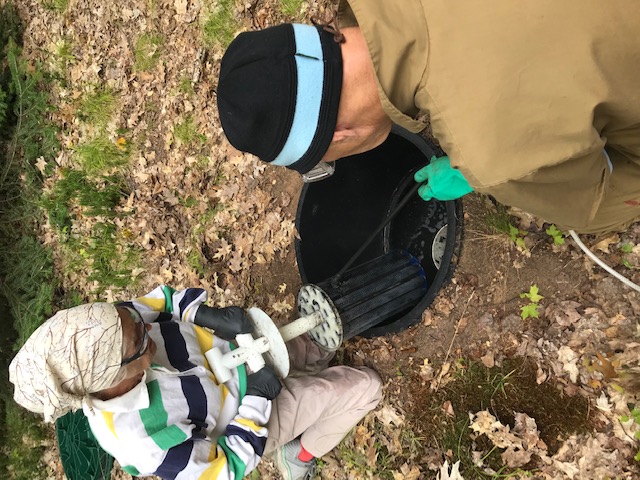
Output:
(443, 181)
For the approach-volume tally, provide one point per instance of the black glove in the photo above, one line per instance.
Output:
(227, 322)
(264, 383)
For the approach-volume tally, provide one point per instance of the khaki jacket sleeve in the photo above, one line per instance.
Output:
(567, 194)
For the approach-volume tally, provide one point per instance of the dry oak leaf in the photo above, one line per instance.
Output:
(362, 434)
(281, 307)
(605, 367)
(604, 244)
(407, 473)
(488, 360)
(569, 360)
(41, 165)
(447, 408)
(236, 263)
(388, 415)
(426, 370)
(223, 250)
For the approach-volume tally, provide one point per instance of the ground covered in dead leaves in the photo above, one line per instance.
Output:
(548, 397)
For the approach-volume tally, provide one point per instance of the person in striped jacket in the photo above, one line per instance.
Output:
(138, 371)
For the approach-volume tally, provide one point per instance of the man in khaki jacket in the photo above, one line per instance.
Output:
(536, 103)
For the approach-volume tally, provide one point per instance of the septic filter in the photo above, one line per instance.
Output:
(336, 216)
(368, 294)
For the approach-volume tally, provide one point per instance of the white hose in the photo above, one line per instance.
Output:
(593, 257)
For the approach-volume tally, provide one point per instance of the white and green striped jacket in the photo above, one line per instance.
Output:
(180, 423)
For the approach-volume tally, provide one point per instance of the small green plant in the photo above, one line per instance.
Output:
(195, 261)
(531, 309)
(62, 56)
(187, 132)
(255, 474)
(627, 247)
(28, 269)
(291, 8)
(555, 234)
(220, 24)
(100, 154)
(627, 264)
(23, 447)
(517, 237)
(97, 106)
(499, 381)
(635, 414)
(3, 106)
(147, 51)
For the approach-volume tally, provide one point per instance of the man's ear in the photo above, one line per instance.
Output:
(342, 134)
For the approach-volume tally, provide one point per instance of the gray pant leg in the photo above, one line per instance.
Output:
(322, 408)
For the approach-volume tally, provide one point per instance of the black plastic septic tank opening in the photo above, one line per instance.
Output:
(337, 215)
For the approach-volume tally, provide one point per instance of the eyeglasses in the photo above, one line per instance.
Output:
(144, 344)
(321, 171)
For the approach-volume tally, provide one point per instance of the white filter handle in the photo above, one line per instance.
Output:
(250, 353)
(300, 326)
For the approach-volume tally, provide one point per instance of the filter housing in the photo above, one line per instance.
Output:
(335, 216)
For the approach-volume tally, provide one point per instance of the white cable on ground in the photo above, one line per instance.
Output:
(593, 257)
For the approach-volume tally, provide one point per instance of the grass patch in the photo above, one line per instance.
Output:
(498, 221)
(503, 391)
(24, 448)
(358, 458)
(187, 133)
(26, 270)
(25, 266)
(75, 189)
(30, 291)
(100, 155)
(186, 86)
(220, 24)
(105, 255)
(59, 6)
(147, 51)
(292, 8)
(97, 106)
(196, 261)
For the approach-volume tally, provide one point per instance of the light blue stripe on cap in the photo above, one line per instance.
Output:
(310, 68)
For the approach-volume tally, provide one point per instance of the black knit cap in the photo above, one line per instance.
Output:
(279, 92)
